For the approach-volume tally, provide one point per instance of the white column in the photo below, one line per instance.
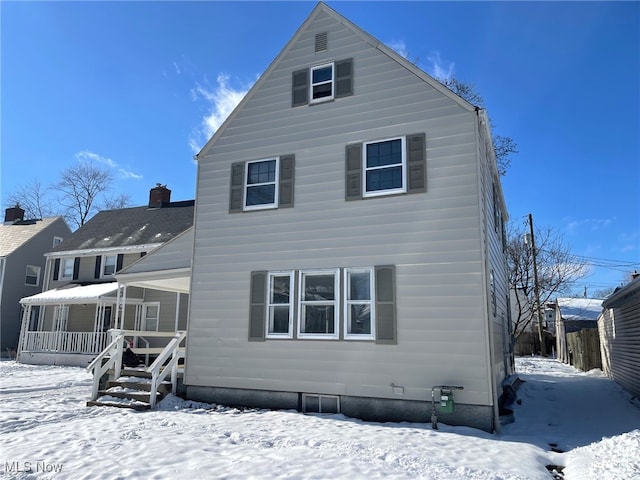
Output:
(26, 314)
(177, 310)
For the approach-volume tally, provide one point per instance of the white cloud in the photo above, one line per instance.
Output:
(222, 100)
(86, 155)
(440, 68)
(592, 224)
(400, 47)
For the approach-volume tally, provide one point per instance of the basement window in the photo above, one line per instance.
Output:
(320, 403)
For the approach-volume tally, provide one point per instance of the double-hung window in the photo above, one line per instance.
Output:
(109, 265)
(261, 184)
(280, 305)
(321, 83)
(384, 167)
(151, 316)
(32, 276)
(359, 304)
(321, 87)
(66, 270)
(318, 304)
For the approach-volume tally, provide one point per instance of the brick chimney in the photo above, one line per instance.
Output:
(159, 195)
(13, 214)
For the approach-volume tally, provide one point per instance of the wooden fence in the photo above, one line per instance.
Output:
(584, 349)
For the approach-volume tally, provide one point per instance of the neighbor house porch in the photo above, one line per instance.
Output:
(70, 325)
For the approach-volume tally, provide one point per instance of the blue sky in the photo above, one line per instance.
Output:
(139, 86)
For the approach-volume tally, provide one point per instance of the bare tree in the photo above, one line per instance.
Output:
(34, 198)
(557, 270)
(503, 146)
(79, 188)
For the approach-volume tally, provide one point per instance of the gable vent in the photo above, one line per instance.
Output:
(321, 42)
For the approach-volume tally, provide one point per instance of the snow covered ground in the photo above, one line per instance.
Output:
(47, 432)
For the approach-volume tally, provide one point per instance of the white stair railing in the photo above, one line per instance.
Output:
(167, 362)
(113, 354)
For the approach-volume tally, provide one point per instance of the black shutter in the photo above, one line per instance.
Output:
(236, 195)
(300, 88)
(416, 163)
(257, 314)
(96, 272)
(353, 172)
(119, 261)
(386, 329)
(344, 78)
(56, 269)
(76, 267)
(285, 194)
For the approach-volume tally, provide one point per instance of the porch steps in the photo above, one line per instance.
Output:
(131, 390)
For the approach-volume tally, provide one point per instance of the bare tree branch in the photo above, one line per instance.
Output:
(503, 146)
(113, 202)
(79, 187)
(557, 270)
(34, 199)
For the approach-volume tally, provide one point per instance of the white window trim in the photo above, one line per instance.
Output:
(57, 241)
(103, 264)
(336, 304)
(276, 182)
(270, 276)
(145, 305)
(37, 275)
(379, 193)
(348, 303)
(332, 82)
(63, 263)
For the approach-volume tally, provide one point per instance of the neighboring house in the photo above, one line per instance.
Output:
(78, 306)
(22, 247)
(619, 326)
(573, 315)
(349, 249)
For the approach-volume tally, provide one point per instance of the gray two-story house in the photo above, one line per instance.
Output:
(23, 242)
(349, 246)
(82, 299)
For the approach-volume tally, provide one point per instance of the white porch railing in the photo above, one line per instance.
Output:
(65, 342)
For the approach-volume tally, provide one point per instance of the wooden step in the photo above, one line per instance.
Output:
(105, 402)
(133, 384)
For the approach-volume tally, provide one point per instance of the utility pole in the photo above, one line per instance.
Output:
(536, 290)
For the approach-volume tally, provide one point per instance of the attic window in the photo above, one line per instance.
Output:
(321, 42)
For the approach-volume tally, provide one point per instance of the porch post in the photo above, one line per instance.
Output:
(26, 315)
(117, 317)
(124, 305)
(177, 310)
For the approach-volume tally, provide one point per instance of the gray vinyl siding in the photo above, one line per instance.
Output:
(619, 326)
(498, 314)
(434, 239)
(174, 254)
(13, 286)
